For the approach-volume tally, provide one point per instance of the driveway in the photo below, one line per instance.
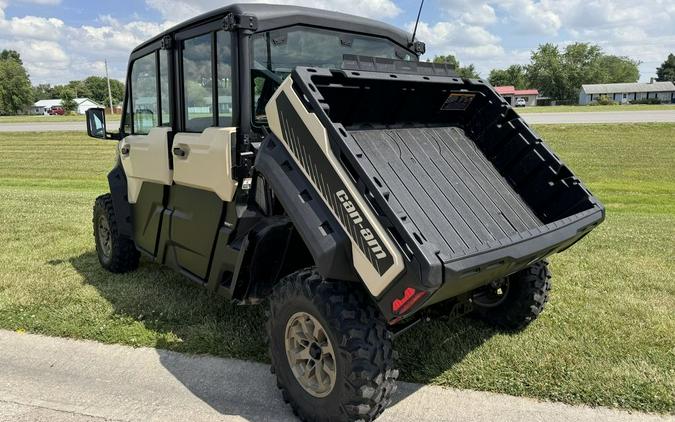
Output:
(52, 379)
(650, 116)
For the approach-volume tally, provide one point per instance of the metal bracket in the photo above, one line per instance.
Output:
(232, 22)
(418, 47)
(167, 42)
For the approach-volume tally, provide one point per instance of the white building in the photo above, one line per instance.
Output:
(625, 93)
(43, 106)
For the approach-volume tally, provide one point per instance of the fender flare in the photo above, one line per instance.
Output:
(323, 236)
(117, 181)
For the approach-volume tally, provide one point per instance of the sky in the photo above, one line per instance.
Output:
(63, 40)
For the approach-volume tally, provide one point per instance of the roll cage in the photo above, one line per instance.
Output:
(245, 22)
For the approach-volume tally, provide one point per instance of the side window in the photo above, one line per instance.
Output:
(224, 72)
(164, 86)
(198, 80)
(144, 95)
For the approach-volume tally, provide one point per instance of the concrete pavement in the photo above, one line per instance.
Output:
(644, 116)
(649, 116)
(58, 380)
(44, 127)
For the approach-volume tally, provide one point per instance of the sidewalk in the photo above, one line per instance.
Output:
(53, 379)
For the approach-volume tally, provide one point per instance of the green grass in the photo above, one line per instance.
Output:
(591, 108)
(52, 119)
(606, 338)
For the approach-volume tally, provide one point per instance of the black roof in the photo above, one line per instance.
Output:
(271, 16)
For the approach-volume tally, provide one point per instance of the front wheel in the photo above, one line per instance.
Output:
(331, 350)
(512, 303)
(116, 253)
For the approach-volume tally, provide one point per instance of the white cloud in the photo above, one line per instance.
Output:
(472, 12)
(55, 52)
(534, 17)
(42, 2)
(488, 33)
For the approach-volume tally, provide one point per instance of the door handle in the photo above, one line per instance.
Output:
(125, 150)
(180, 152)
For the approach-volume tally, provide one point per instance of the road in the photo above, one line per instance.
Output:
(644, 116)
(44, 127)
(533, 118)
(58, 380)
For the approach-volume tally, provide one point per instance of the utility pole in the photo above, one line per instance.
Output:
(112, 109)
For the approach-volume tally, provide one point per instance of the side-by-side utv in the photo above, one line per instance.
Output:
(308, 160)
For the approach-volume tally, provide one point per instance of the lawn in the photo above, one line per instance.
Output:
(52, 119)
(591, 108)
(607, 337)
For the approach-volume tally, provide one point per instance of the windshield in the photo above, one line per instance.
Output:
(277, 53)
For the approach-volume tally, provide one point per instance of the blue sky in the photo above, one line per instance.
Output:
(61, 40)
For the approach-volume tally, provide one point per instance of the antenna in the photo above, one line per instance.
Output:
(416, 23)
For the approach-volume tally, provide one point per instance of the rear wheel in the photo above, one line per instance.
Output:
(513, 302)
(116, 254)
(331, 350)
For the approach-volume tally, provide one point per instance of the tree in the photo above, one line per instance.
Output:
(560, 74)
(465, 71)
(16, 93)
(11, 55)
(68, 101)
(79, 89)
(619, 69)
(666, 72)
(97, 87)
(43, 92)
(545, 71)
(514, 75)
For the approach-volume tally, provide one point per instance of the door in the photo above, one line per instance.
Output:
(202, 150)
(144, 153)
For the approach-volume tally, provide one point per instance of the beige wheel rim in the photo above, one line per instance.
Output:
(310, 354)
(104, 236)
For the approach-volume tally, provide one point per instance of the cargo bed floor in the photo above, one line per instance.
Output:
(446, 187)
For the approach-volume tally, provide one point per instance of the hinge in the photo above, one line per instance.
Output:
(167, 42)
(232, 22)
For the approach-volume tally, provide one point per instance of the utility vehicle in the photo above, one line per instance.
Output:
(308, 159)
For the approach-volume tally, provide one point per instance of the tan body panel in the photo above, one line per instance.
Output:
(208, 162)
(375, 282)
(148, 160)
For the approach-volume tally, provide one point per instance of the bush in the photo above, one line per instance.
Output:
(603, 100)
(646, 101)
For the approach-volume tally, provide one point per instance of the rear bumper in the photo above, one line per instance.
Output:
(514, 254)
(473, 271)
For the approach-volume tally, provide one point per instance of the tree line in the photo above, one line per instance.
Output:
(17, 94)
(558, 72)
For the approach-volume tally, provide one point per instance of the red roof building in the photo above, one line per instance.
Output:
(512, 95)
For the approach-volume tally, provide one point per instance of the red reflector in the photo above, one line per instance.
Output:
(410, 297)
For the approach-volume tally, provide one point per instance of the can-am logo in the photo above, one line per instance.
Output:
(367, 235)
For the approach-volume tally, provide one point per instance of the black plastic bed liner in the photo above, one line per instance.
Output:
(467, 191)
(451, 193)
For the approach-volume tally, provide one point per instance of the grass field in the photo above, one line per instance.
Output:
(596, 108)
(606, 338)
(52, 119)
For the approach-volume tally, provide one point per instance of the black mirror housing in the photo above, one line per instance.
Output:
(96, 123)
(96, 127)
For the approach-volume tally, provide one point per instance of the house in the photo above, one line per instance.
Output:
(627, 92)
(511, 95)
(43, 106)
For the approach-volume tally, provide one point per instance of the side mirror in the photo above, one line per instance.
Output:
(96, 123)
(96, 127)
